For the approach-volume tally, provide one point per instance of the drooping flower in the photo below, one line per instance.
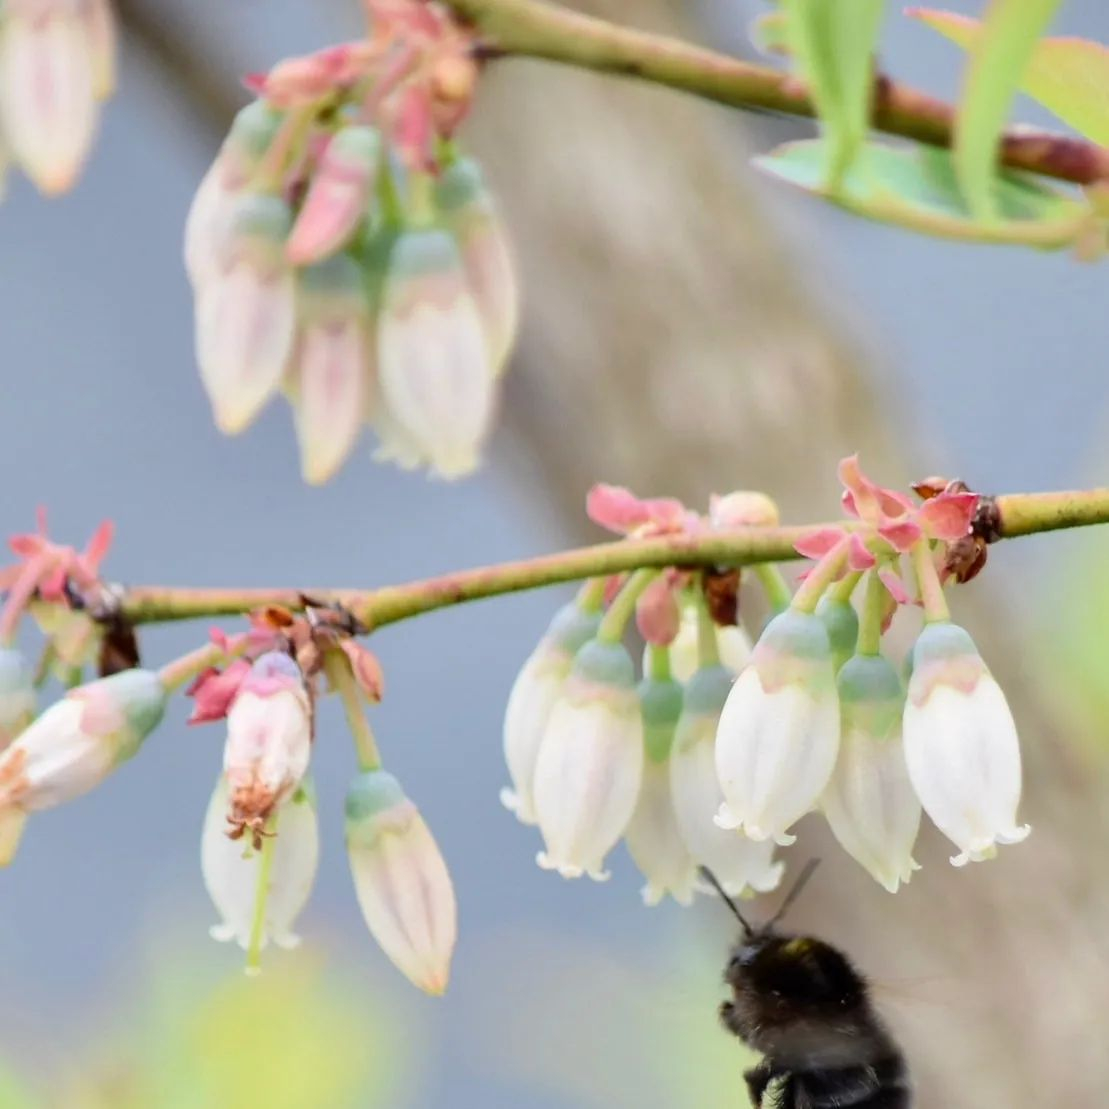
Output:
(17, 695)
(739, 863)
(870, 803)
(732, 643)
(233, 870)
(470, 213)
(590, 764)
(338, 197)
(961, 745)
(212, 212)
(653, 838)
(246, 314)
(269, 742)
(50, 66)
(329, 382)
(74, 745)
(401, 880)
(437, 383)
(742, 508)
(779, 731)
(532, 698)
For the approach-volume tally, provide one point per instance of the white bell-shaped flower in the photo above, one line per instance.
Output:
(590, 763)
(74, 745)
(436, 379)
(329, 383)
(870, 803)
(654, 840)
(740, 864)
(401, 880)
(533, 695)
(47, 90)
(779, 732)
(246, 314)
(961, 745)
(259, 901)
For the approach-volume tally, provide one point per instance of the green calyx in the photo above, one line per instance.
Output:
(571, 627)
(940, 642)
(605, 664)
(254, 129)
(423, 251)
(842, 625)
(660, 701)
(707, 690)
(141, 697)
(337, 284)
(802, 635)
(263, 217)
(871, 696)
(358, 144)
(370, 794)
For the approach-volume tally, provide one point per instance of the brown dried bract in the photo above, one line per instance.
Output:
(964, 558)
(721, 589)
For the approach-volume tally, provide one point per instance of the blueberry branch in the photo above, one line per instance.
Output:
(532, 28)
(1014, 515)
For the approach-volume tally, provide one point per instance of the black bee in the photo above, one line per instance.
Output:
(801, 1003)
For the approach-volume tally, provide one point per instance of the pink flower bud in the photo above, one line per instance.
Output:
(338, 196)
(246, 315)
(329, 383)
(436, 379)
(269, 741)
(471, 215)
(47, 90)
(232, 869)
(401, 880)
(212, 213)
(74, 745)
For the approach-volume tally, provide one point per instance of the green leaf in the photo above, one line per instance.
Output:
(769, 33)
(917, 188)
(834, 42)
(998, 60)
(1068, 76)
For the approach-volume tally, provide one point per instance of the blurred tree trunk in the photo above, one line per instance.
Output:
(673, 343)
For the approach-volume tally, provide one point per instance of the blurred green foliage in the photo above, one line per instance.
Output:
(294, 1036)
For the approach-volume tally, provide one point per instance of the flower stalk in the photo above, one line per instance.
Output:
(931, 588)
(342, 681)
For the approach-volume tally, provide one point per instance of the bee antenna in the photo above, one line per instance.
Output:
(798, 886)
(715, 883)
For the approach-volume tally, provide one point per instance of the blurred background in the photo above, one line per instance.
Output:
(688, 329)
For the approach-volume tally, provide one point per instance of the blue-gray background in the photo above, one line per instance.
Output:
(102, 414)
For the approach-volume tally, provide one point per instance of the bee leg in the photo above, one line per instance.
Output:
(757, 1079)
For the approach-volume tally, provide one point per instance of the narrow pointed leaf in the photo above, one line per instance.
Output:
(1068, 76)
(833, 42)
(996, 67)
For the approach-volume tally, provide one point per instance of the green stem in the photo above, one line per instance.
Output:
(708, 645)
(536, 29)
(658, 662)
(928, 581)
(870, 627)
(844, 589)
(821, 576)
(182, 670)
(337, 669)
(622, 608)
(421, 199)
(591, 596)
(1017, 515)
(778, 592)
(261, 897)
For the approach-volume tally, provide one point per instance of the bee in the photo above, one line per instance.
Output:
(801, 1004)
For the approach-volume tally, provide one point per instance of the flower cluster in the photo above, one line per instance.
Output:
(342, 251)
(717, 752)
(57, 62)
(596, 755)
